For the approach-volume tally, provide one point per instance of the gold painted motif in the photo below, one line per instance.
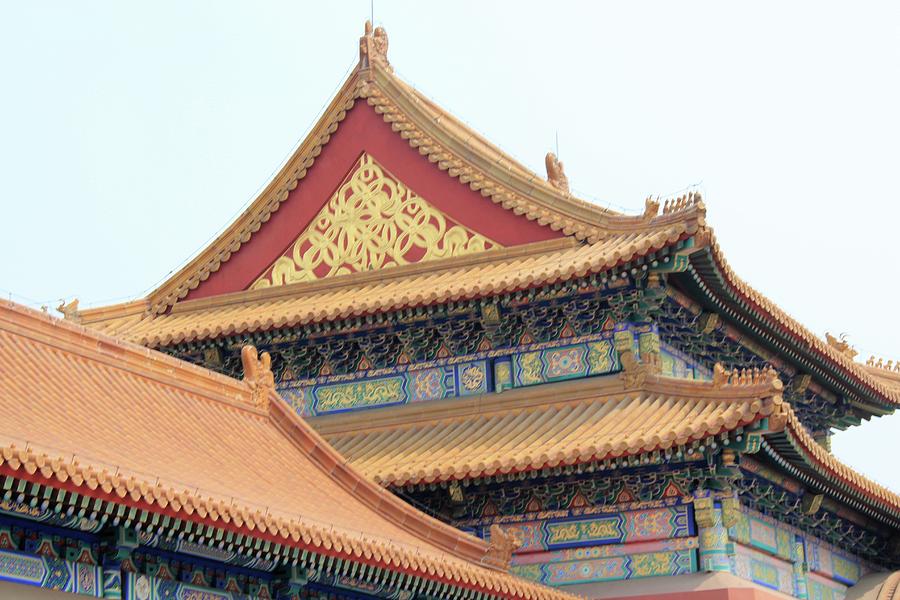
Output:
(359, 394)
(600, 529)
(371, 222)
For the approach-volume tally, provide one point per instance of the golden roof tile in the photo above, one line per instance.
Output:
(572, 423)
(545, 426)
(113, 419)
(486, 273)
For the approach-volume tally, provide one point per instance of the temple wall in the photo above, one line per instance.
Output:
(783, 558)
(626, 541)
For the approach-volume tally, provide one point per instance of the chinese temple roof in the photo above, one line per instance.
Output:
(531, 232)
(586, 421)
(554, 425)
(208, 449)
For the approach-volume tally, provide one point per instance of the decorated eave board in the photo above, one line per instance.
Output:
(151, 479)
(392, 209)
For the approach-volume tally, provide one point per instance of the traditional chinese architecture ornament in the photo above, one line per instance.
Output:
(881, 364)
(841, 345)
(502, 544)
(258, 375)
(373, 47)
(651, 208)
(556, 173)
(69, 311)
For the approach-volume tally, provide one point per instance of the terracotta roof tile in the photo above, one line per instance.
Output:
(545, 426)
(110, 417)
(484, 274)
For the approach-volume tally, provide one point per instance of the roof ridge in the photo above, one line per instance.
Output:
(888, 367)
(888, 589)
(123, 355)
(309, 441)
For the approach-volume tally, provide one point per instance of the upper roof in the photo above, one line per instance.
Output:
(209, 297)
(106, 418)
(442, 141)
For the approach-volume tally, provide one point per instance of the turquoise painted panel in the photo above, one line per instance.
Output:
(822, 589)
(416, 385)
(764, 569)
(763, 533)
(590, 569)
(565, 362)
(674, 363)
(831, 562)
(144, 587)
(50, 573)
(631, 526)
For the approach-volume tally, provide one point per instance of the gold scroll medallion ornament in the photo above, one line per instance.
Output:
(371, 222)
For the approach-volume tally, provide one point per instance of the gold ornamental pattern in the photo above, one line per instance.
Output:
(371, 222)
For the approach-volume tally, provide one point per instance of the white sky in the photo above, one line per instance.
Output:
(131, 134)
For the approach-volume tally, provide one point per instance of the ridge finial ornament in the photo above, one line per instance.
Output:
(841, 345)
(373, 47)
(651, 208)
(258, 375)
(501, 546)
(69, 311)
(879, 363)
(556, 173)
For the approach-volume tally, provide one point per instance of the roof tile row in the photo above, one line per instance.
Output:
(120, 422)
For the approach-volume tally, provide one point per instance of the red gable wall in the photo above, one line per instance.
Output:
(365, 130)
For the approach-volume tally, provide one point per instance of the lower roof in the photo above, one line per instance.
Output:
(111, 420)
(579, 422)
(544, 426)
